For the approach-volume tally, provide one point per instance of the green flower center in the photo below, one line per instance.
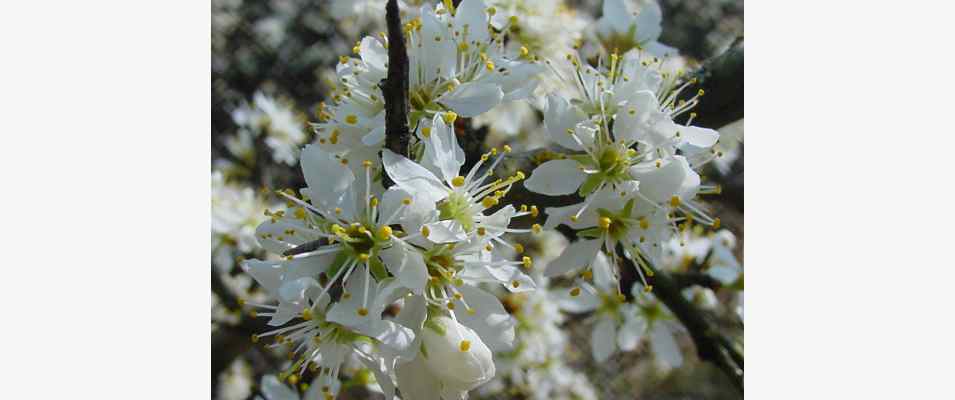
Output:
(457, 207)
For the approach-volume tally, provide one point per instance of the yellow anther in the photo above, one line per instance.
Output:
(648, 288)
(494, 151)
(575, 292)
(491, 11)
(520, 175)
(534, 211)
(255, 338)
(631, 153)
(471, 311)
(481, 231)
(366, 163)
(488, 202)
(700, 92)
(458, 282)
(384, 232)
(588, 274)
(507, 149)
(604, 222)
(527, 262)
(644, 224)
(512, 19)
(343, 59)
(465, 345)
(293, 379)
(451, 305)
(363, 311)
(351, 119)
(515, 284)
(373, 202)
(675, 201)
(406, 201)
(307, 314)
(489, 65)
(338, 210)
(463, 46)
(344, 161)
(363, 257)
(716, 223)
(573, 218)
(536, 228)
(659, 164)
(426, 131)
(524, 51)
(488, 247)
(425, 231)
(299, 213)
(457, 181)
(450, 117)
(519, 248)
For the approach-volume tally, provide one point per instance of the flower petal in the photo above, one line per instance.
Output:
(490, 321)
(664, 346)
(560, 116)
(412, 177)
(473, 98)
(407, 265)
(576, 256)
(556, 178)
(603, 341)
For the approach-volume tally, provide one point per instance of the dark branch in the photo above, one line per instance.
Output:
(395, 86)
(687, 279)
(721, 78)
(711, 346)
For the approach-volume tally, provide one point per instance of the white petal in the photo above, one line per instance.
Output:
(689, 135)
(436, 58)
(630, 333)
(556, 178)
(673, 177)
(446, 154)
(413, 177)
(603, 341)
(373, 53)
(413, 313)
(416, 382)
(273, 389)
(472, 13)
(267, 273)
(326, 177)
(490, 321)
(664, 346)
(381, 371)
(603, 274)
(446, 231)
(585, 301)
(576, 256)
(407, 265)
(473, 98)
(649, 21)
(374, 137)
(560, 116)
(633, 117)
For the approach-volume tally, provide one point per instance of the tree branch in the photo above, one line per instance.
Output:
(721, 78)
(395, 87)
(710, 345)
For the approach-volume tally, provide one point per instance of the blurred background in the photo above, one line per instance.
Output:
(273, 64)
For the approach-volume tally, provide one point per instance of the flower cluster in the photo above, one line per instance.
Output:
(458, 62)
(417, 274)
(351, 249)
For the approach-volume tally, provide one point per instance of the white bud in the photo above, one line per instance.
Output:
(460, 367)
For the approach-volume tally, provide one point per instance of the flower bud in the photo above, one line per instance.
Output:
(457, 356)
